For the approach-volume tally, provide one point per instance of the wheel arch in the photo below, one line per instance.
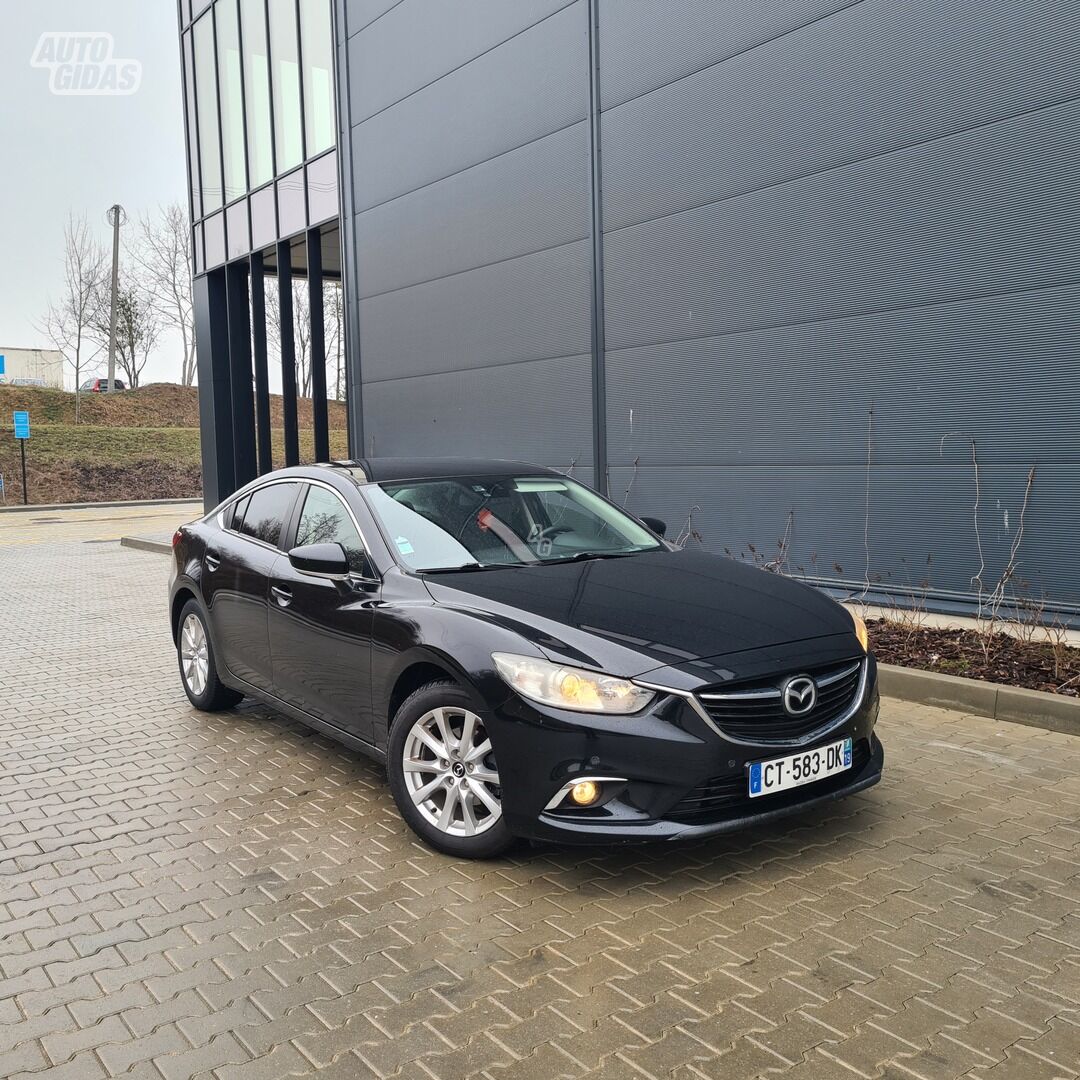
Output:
(421, 669)
(183, 594)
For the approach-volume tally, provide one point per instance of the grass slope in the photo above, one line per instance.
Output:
(143, 444)
(158, 405)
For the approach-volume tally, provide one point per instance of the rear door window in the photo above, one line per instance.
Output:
(267, 511)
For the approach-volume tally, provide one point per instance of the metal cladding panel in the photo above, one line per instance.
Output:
(647, 44)
(993, 210)
(529, 308)
(526, 88)
(538, 411)
(532, 198)
(999, 369)
(811, 207)
(419, 41)
(361, 13)
(873, 79)
(920, 529)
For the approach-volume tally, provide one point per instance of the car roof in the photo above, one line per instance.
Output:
(380, 469)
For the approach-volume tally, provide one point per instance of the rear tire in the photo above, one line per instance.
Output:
(443, 774)
(198, 668)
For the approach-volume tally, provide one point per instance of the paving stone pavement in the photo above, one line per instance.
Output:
(40, 525)
(233, 896)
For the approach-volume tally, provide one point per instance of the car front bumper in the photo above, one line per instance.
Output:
(673, 764)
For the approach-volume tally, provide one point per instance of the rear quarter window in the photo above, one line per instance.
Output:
(234, 517)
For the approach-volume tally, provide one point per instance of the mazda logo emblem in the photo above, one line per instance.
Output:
(799, 695)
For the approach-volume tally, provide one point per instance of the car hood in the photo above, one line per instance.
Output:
(631, 615)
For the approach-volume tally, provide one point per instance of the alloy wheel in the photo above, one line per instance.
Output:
(450, 772)
(194, 655)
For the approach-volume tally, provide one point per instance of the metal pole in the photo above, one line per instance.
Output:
(114, 220)
(22, 450)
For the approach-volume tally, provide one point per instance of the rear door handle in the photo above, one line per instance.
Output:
(212, 562)
(282, 594)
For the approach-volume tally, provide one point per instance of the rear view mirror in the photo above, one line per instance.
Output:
(659, 527)
(326, 559)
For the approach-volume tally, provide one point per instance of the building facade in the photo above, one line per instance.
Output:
(799, 277)
(32, 367)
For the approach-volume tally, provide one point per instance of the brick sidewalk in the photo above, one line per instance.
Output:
(233, 896)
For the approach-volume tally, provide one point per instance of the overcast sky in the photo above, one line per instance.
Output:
(81, 154)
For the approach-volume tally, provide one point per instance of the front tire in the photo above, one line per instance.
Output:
(443, 774)
(198, 668)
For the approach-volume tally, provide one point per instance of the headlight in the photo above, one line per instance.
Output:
(570, 687)
(860, 631)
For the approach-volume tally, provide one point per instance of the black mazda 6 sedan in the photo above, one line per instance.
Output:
(528, 659)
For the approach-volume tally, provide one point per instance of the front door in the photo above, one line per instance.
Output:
(320, 627)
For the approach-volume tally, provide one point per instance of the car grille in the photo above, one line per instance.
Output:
(727, 796)
(755, 713)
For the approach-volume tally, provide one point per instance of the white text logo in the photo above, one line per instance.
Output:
(84, 64)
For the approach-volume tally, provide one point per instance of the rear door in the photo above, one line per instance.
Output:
(320, 627)
(236, 579)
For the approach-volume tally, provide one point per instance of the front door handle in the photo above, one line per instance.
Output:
(282, 594)
(212, 562)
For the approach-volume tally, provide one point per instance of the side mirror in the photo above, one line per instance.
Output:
(659, 527)
(328, 559)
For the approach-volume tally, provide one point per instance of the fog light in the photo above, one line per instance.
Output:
(585, 793)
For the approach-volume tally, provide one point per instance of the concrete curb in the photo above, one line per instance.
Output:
(139, 543)
(1033, 708)
(37, 507)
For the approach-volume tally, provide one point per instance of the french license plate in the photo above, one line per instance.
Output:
(780, 774)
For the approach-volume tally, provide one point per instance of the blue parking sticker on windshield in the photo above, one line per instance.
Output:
(755, 778)
(403, 545)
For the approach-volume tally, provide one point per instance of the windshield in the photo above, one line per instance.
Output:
(468, 521)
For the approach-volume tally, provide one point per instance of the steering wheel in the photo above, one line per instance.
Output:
(552, 531)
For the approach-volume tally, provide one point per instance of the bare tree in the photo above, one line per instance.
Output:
(163, 253)
(69, 321)
(138, 326)
(334, 309)
(301, 329)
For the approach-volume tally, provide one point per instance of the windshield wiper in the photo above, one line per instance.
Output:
(464, 567)
(579, 556)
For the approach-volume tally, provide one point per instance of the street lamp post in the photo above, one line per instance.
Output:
(116, 218)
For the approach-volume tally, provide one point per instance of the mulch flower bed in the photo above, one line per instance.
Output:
(992, 657)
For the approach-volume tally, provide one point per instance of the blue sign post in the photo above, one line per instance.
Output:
(22, 432)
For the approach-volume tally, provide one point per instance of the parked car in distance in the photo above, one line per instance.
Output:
(100, 386)
(528, 659)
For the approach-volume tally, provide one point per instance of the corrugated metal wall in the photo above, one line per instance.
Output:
(469, 139)
(811, 209)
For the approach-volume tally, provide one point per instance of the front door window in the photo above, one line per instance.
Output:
(326, 521)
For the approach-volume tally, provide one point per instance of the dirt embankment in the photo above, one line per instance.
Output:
(155, 406)
(140, 444)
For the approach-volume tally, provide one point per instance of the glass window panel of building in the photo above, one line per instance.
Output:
(317, 49)
(232, 99)
(285, 80)
(192, 134)
(257, 86)
(207, 111)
